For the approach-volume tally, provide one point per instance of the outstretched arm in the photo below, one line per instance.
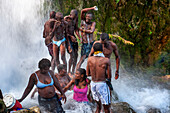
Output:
(68, 85)
(28, 88)
(117, 60)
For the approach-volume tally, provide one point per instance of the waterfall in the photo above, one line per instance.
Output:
(21, 42)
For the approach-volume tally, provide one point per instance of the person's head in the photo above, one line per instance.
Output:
(81, 74)
(59, 16)
(44, 65)
(61, 69)
(74, 13)
(104, 37)
(52, 14)
(89, 17)
(98, 47)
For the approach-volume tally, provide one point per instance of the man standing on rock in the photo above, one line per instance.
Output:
(98, 66)
(108, 48)
(87, 28)
(72, 21)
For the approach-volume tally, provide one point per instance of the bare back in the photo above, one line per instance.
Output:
(97, 67)
(48, 27)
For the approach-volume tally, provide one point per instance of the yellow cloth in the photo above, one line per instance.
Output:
(97, 52)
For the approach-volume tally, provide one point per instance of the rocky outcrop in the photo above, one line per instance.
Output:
(153, 110)
(121, 107)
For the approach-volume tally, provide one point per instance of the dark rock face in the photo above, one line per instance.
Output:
(153, 110)
(121, 107)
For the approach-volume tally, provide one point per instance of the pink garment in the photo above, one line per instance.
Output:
(80, 95)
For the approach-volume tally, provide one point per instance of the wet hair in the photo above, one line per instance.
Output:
(98, 47)
(44, 63)
(60, 67)
(52, 14)
(75, 11)
(82, 71)
(90, 13)
(104, 36)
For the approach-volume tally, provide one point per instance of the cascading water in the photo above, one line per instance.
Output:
(22, 46)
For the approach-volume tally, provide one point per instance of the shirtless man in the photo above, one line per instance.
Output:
(62, 75)
(87, 29)
(59, 35)
(72, 20)
(98, 66)
(108, 48)
(48, 27)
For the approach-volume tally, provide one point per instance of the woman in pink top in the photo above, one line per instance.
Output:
(80, 88)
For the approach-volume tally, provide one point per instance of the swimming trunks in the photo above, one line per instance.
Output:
(86, 48)
(100, 91)
(80, 95)
(52, 105)
(50, 48)
(74, 45)
(58, 43)
(42, 85)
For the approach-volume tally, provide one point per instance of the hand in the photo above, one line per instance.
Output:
(20, 100)
(64, 98)
(69, 49)
(95, 8)
(116, 75)
(73, 39)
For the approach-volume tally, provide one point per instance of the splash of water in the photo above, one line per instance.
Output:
(21, 42)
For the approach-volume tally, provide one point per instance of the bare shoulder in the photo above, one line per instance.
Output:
(51, 72)
(113, 44)
(96, 42)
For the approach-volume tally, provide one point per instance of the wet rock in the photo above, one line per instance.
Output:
(34, 109)
(153, 110)
(121, 107)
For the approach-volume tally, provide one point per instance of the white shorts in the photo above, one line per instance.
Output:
(100, 91)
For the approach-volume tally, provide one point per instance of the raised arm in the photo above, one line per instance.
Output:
(83, 11)
(28, 88)
(115, 51)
